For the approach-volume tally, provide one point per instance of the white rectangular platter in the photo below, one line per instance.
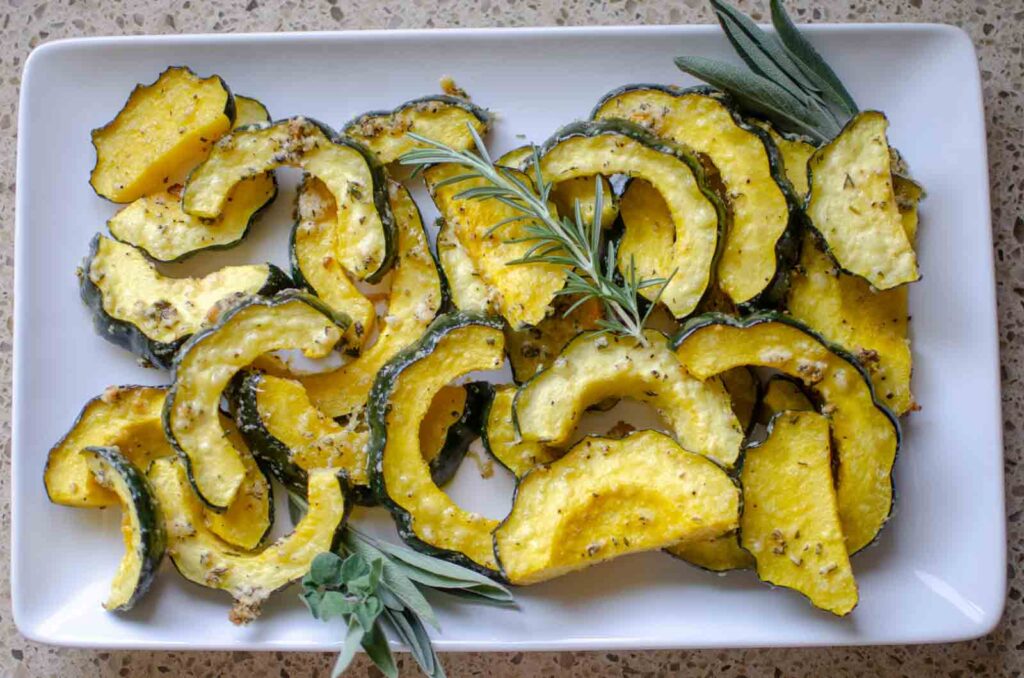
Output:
(938, 571)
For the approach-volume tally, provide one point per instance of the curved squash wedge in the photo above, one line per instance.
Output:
(699, 217)
(141, 526)
(790, 521)
(852, 204)
(759, 245)
(314, 265)
(250, 578)
(455, 419)
(162, 130)
(866, 433)
(796, 152)
(503, 442)
(520, 293)
(427, 518)
(129, 418)
(208, 362)
(744, 392)
(415, 298)
(137, 308)
(439, 117)
(366, 228)
(594, 367)
(156, 224)
(606, 498)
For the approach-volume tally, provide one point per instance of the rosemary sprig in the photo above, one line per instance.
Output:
(573, 243)
(376, 589)
(787, 81)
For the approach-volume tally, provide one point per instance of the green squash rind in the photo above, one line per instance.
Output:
(708, 319)
(152, 537)
(703, 171)
(377, 409)
(126, 335)
(278, 299)
(787, 247)
(477, 112)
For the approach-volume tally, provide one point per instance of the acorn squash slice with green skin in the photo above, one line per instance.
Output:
(744, 392)
(314, 265)
(718, 554)
(137, 308)
(699, 217)
(249, 577)
(156, 224)
(866, 433)
(208, 362)
(594, 367)
(520, 293)
(780, 394)
(852, 204)
(415, 298)
(427, 518)
(440, 117)
(163, 129)
(129, 418)
(503, 442)
(468, 291)
(365, 245)
(141, 524)
(796, 151)
(611, 497)
(759, 246)
(791, 522)
(871, 324)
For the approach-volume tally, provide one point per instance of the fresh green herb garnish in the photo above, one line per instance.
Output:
(788, 81)
(574, 243)
(375, 588)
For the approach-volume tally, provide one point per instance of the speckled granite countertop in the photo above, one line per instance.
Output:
(997, 28)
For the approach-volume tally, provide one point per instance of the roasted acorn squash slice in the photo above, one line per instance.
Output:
(699, 217)
(866, 433)
(151, 315)
(505, 444)
(208, 362)
(796, 151)
(607, 498)
(790, 521)
(415, 298)
(316, 267)
(758, 246)
(440, 117)
(129, 418)
(163, 129)
(744, 392)
(427, 518)
(467, 290)
(520, 293)
(718, 554)
(250, 577)
(852, 204)
(156, 224)
(141, 526)
(595, 367)
(366, 229)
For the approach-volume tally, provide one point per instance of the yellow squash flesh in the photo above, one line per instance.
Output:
(790, 521)
(606, 498)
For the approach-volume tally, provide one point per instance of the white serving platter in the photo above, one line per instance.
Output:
(938, 570)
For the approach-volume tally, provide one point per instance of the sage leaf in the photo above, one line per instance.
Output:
(335, 604)
(804, 53)
(326, 569)
(353, 639)
(297, 508)
(375, 643)
(762, 52)
(410, 630)
(757, 94)
(395, 580)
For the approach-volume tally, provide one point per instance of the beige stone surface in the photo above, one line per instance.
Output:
(997, 28)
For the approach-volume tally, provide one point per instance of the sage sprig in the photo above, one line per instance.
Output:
(786, 79)
(573, 242)
(376, 589)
